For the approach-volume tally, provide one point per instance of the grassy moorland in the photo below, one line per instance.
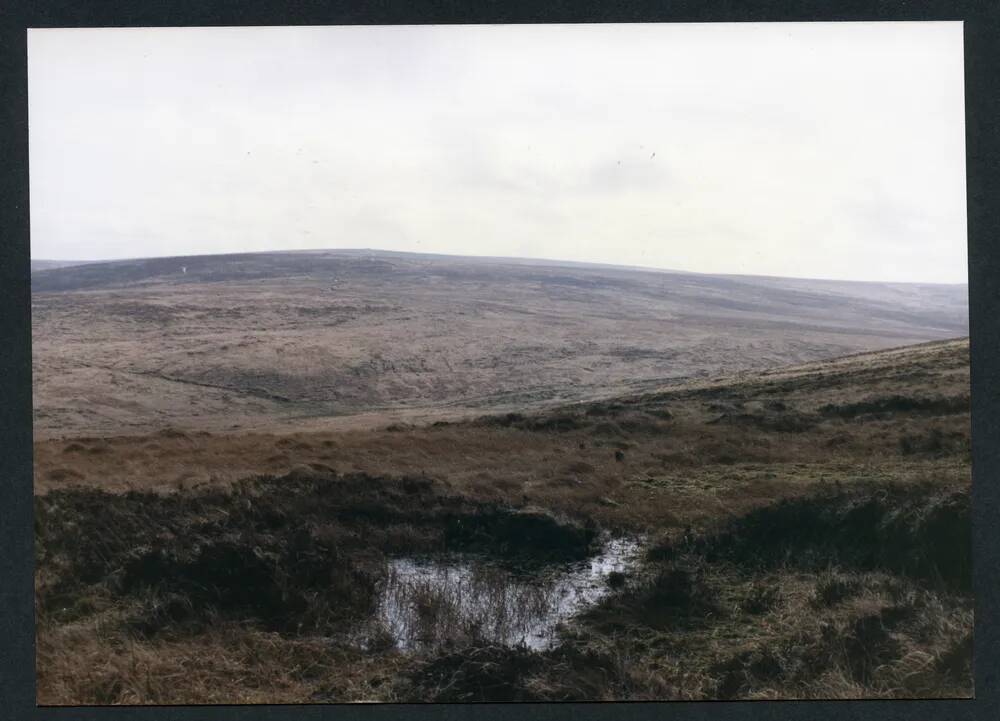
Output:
(317, 340)
(805, 534)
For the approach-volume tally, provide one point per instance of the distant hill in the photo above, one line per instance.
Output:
(37, 265)
(262, 338)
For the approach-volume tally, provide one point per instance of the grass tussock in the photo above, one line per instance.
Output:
(301, 552)
(888, 405)
(919, 532)
(708, 621)
(759, 607)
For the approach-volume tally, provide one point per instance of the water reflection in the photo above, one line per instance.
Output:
(434, 602)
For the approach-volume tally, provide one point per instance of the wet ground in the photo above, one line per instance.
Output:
(434, 602)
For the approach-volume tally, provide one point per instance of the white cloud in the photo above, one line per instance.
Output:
(814, 150)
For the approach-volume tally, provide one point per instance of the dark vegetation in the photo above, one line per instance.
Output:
(821, 613)
(909, 530)
(835, 593)
(806, 538)
(935, 442)
(300, 552)
(886, 406)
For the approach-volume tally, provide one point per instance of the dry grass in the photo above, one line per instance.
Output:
(697, 625)
(84, 665)
(306, 341)
(708, 461)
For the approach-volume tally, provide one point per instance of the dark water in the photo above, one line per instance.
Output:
(433, 602)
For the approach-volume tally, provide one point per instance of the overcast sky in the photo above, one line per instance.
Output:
(826, 150)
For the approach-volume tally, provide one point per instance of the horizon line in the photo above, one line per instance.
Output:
(553, 261)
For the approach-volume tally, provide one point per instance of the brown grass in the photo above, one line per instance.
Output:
(692, 462)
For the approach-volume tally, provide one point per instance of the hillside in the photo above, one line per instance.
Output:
(781, 423)
(314, 338)
(804, 533)
(40, 265)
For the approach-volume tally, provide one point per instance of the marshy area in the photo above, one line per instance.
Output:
(794, 535)
(432, 597)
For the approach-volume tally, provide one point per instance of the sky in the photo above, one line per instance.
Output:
(815, 150)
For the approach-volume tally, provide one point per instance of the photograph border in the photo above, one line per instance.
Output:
(982, 100)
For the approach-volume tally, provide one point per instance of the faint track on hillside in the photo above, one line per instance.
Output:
(254, 392)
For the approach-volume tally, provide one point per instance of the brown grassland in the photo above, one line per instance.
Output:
(807, 536)
(342, 339)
